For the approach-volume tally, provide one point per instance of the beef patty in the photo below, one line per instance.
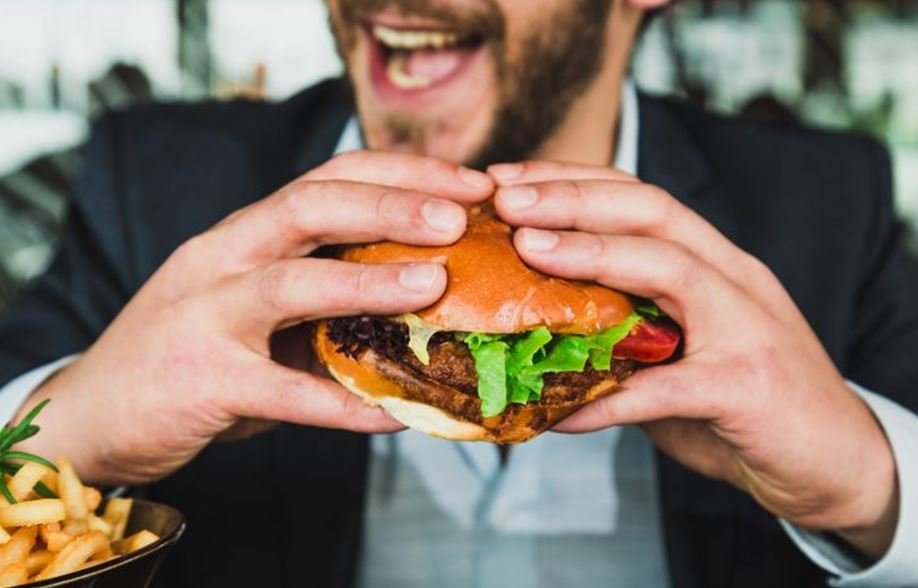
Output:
(451, 363)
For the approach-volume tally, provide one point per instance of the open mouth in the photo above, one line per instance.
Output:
(414, 60)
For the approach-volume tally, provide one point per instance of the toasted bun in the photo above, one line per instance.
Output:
(438, 410)
(491, 290)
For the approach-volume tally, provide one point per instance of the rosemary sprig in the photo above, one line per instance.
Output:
(12, 435)
(40, 488)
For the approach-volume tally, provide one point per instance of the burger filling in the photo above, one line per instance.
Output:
(510, 369)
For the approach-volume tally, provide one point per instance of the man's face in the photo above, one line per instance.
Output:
(472, 81)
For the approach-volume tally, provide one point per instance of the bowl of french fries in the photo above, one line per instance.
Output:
(56, 531)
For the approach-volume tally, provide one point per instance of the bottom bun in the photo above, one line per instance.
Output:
(417, 416)
(428, 406)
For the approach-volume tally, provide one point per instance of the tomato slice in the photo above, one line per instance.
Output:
(648, 342)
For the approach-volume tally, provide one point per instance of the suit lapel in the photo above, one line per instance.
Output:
(671, 157)
(323, 132)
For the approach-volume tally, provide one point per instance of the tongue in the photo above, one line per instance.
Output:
(433, 65)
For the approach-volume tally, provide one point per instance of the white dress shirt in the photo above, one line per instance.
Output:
(531, 500)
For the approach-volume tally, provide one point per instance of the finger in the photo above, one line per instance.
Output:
(685, 287)
(306, 215)
(404, 170)
(291, 396)
(654, 394)
(629, 208)
(291, 291)
(528, 172)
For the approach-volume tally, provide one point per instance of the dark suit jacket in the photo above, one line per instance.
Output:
(815, 207)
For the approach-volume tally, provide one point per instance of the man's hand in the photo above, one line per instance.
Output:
(755, 401)
(190, 357)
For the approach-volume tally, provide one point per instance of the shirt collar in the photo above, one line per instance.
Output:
(626, 154)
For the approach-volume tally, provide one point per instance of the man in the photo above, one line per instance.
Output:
(174, 328)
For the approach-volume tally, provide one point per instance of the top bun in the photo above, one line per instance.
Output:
(491, 290)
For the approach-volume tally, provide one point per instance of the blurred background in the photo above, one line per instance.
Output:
(836, 64)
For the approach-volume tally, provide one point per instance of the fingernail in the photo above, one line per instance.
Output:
(539, 240)
(475, 179)
(442, 216)
(517, 197)
(505, 172)
(419, 277)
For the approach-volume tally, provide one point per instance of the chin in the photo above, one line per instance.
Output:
(438, 138)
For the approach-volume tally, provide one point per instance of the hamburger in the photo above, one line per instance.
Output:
(504, 354)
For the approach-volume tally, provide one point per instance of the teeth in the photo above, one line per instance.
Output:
(400, 78)
(398, 39)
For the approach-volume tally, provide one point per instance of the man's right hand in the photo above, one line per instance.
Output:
(189, 358)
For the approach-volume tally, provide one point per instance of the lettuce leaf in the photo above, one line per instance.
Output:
(511, 367)
(524, 352)
(490, 362)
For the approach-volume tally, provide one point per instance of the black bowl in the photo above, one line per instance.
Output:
(135, 570)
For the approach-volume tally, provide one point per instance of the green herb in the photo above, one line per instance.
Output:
(648, 308)
(511, 367)
(12, 435)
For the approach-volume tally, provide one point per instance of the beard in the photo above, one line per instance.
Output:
(553, 63)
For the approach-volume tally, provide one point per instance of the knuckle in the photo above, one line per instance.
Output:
(596, 247)
(191, 251)
(760, 271)
(531, 166)
(354, 288)
(350, 405)
(293, 210)
(684, 267)
(438, 166)
(273, 285)
(570, 190)
(394, 208)
(364, 282)
(661, 208)
(290, 200)
(341, 162)
(286, 394)
(605, 411)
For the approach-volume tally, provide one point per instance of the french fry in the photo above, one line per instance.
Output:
(25, 479)
(140, 540)
(18, 547)
(32, 512)
(101, 525)
(75, 527)
(14, 575)
(77, 552)
(56, 536)
(70, 489)
(44, 531)
(92, 497)
(37, 561)
(50, 480)
(41, 537)
(57, 541)
(117, 512)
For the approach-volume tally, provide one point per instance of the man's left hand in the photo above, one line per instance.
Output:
(755, 400)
